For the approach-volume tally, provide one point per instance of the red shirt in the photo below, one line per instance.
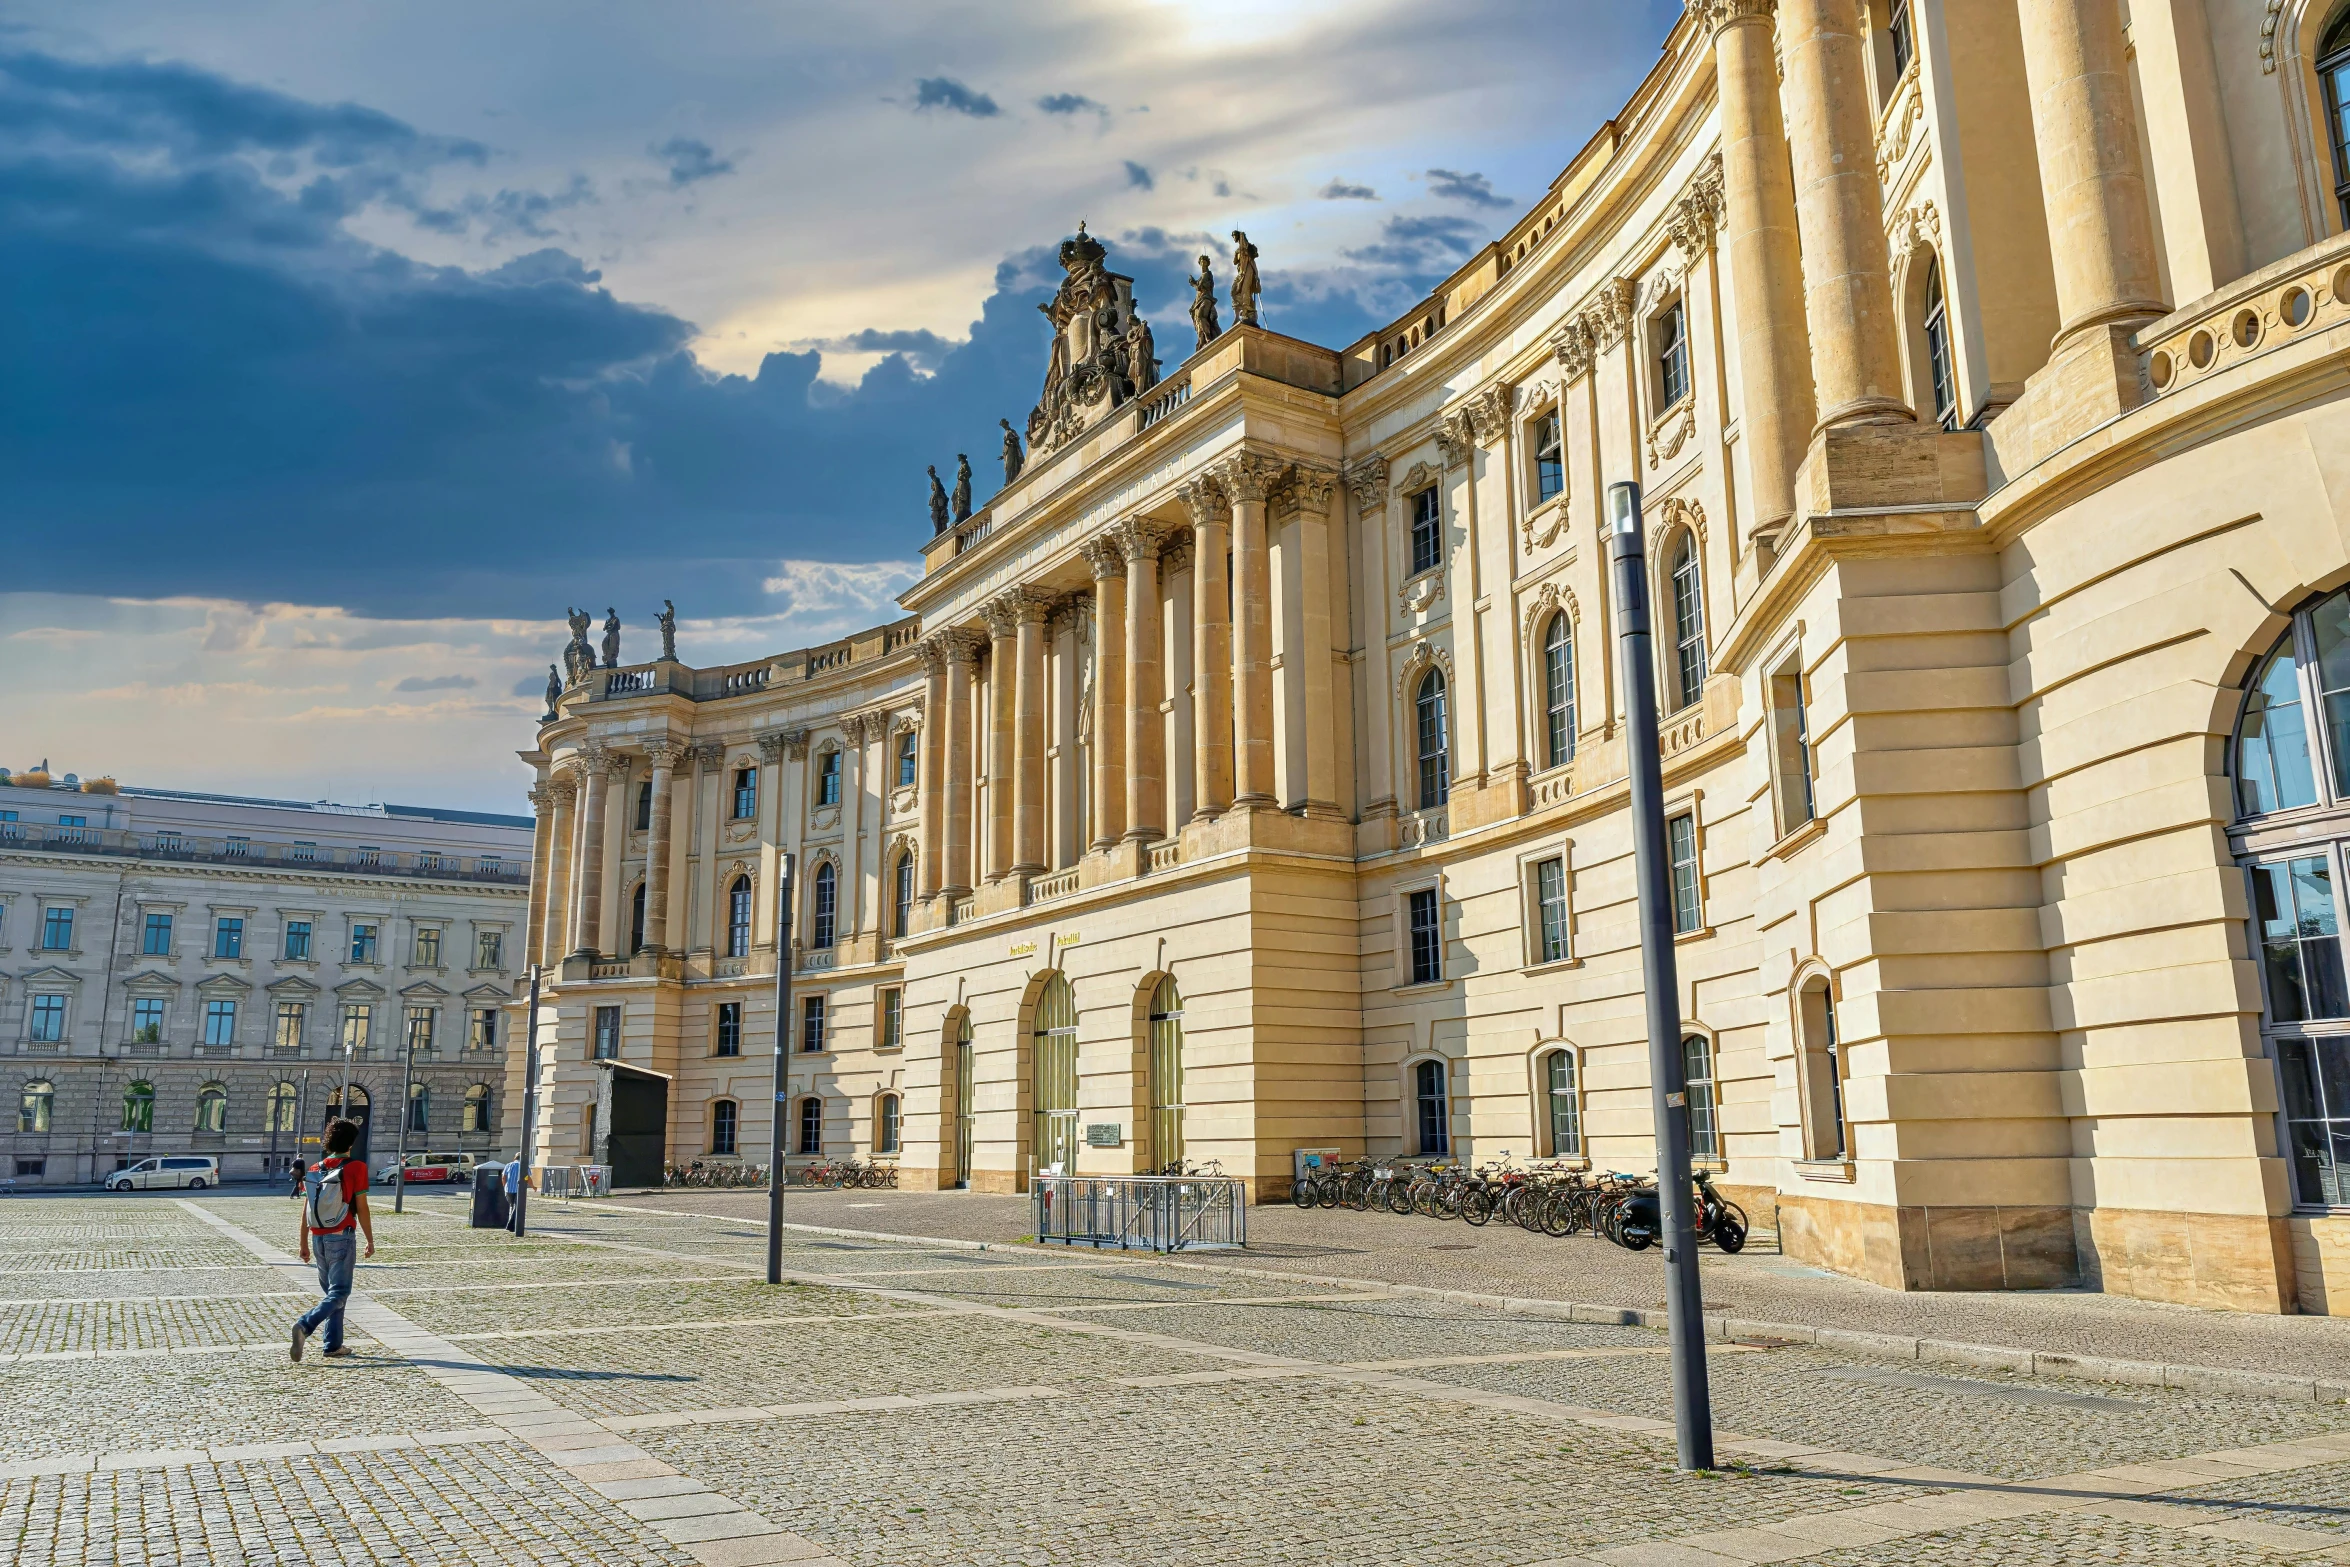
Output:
(353, 1173)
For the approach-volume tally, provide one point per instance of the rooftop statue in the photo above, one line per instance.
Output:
(611, 637)
(1142, 357)
(1245, 287)
(554, 696)
(1203, 305)
(578, 657)
(1093, 367)
(962, 488)
(1014, 458)
(938, 503)
(668, 623)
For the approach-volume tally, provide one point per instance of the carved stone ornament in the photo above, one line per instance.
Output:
(950, 646)
(664, 754)
(1102, 354)
(1368, 480)
(1608, 317)
(1714, 15)
(1312, 487)
(1488, 413)
(1572, 345)
(1548, 600)
(2268, 37)
(1454, 439)
(1417, 663)
(1203, 497)
(1418, 593)
(1137, 539)
(1419, 477)
(1175, 554)
(1670, 433)
(1699, 212)
(1901, 122)
(1103, 557)
(707, 757)
(1914, 229)
(795, 744)
(1250, 476)
(771, 748)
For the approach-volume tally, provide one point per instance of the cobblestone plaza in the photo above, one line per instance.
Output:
(622, 1388)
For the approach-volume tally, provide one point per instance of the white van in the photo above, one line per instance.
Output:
(194, 1171)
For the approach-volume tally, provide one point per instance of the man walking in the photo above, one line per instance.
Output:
(334, 1202)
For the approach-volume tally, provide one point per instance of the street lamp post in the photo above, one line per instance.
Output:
(776, 1116)
(530, 1103)
(1668, 1085)
(407, 1097)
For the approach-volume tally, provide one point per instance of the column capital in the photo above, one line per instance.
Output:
(1571, 344)
(1009, 609)
(1250, 476)
(1699, 212)
(1175, 554)
(665, 754)
(1454, 438)
(1714, 15)
(1484, 415)
(1138, 538)
(1102, 555)
(1608, 318)
(709, 754)
(867, 726)
(953, 645)
(1368, 480)
(1313, 486)
(1204, 498)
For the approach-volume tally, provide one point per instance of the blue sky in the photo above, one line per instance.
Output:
(344, 347)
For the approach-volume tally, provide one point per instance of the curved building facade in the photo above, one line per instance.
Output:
(1248, 775)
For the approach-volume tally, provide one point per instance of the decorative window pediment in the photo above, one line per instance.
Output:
(293, 985)
(359, 990)
(224, 985)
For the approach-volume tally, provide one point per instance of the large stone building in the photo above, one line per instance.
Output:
(182, 973)
(1249, 774)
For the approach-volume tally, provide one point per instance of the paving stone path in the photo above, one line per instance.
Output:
(623, 1388)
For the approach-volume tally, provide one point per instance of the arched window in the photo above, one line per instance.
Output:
(138, 1107)
(1558, 692)
(811, 1125)
(636, 919)
(419, 1108)
(2273, 769)
(477, 1108)
(724, 1117)
(1166, 1064)
(885, 1135)
(738, 919)
(2333, 70)
(280, 1109)
(1940, 377)
(1435, 742)
(1824, 1136)
(1705, 1121)
(1562, 1106)
(1688, 622)
(966, 1097)
(1434, 1117)
(36, 1105)
(1055, 1058)
(359, 1102)
(823, 906)
(901, 908)
(212, 1108)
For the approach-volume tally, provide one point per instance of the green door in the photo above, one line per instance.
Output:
(1056, 1077)
(1167, 1076)
(964, 1119)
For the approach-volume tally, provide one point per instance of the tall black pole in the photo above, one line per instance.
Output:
(407, 1098)
(530, 1102)
(1693, 1416)
(777, 1114)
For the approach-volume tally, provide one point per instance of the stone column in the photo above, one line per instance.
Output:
(1839, 208)
(1003, 630)
(1321, 507)
(932, 778)
(664, 756)
(589, 931)
(1028, 772)
(1110, 631)
(1776, 408)
(774, 828)
(961, 649)
(1249, 479)
(2100, 231)
(555, 796)
(1211, 648)
(1379, 515)
(709, 811)
(1143, 758)
(859, 732)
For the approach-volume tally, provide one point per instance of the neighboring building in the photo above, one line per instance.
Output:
(1255, 780)
(180, 973)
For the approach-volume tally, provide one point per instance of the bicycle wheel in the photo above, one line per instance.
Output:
(1302, 1193)
(1557, 1216)
(1475, 1205)
(1326, 1190)
(1398, 1198)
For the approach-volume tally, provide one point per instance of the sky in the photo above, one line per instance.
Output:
(343, 348)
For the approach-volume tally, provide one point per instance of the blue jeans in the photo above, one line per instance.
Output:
(336, 1256)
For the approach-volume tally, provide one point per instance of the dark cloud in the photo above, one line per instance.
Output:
(1139, 177)
(1417, 246)
(944, 92)
(1340, 190)
(922, 348)
(440, 683)
(1475, 189)
(1070, 103)
(690, 160)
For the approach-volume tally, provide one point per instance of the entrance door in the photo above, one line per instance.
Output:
(966, 1122)
(640, 1121)
(1056, 1077)
(1167, 1076)
(358, 1112)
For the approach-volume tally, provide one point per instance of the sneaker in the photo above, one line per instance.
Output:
(301, 1336)
(339, 1352)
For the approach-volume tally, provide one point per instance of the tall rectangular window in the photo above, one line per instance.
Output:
(363, 943)
(909, 754)
(297, 940)
(485, 1029)
(2300, 939)
(1550, 464)
(2316, 1073)
(1565, 1109)
(1898, 29)
(1550, 909)
(1427, 531)
(730, 1028)
(1681, 847)
(48, 1020)
(608, 1033)
(812, 1024)
(489, 949)
(228, 938)
(157, 943)
(420, 1030)
(644, 807)
(828, 778)
(57, 928)
(303, 853)
(220, 1022)
(428, 948)
(1791, 757)
(290, 1016)
(1672, 356)
(1704, 1098)
(1427, 936)
(358, 1026)
(890, 1026)
(147, 1021)
(746, 793)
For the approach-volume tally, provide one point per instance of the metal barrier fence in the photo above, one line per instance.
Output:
(575, 1180)
(1141, 1212)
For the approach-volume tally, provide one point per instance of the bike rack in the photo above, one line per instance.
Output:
(1162, 1213)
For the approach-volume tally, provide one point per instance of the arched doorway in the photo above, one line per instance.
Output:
(1055, 1057)
(359, 1113)
(966, 1121)
(1166, 1069)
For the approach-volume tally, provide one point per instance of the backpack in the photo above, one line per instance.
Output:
(324, 1206)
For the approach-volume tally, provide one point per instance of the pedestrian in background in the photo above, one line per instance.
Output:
(334, 1204)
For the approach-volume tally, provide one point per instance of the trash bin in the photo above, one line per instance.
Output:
(489, 1197)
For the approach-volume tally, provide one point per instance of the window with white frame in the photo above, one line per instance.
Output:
(45, 1025)
(363, 943)
(909, 758)
(1686, 882)
(1704, 1099)
(297, 941)
(823, 906)
(1424, 934)
(1433, 728)
(358, 1026)
(1547, 892)
(484, 1034)
(212, 1108)
(885, 1131)
(489, 949)
(1820, 1072)
(228, 937)
(1686, 652)
(730, 1028)
(1558, 691)
(1550, 458)
(420, 1029)
(746, 793)
(811, 1125)
(1791, 753)
(428, 947)
(157, 939)
(738, 918)
(1941, 379)
(1427, 531)
(291, 1015)
(1669, 337)
(813, 1011)
(901, 907)
(1562, 1104)
(828, 778)
(57, 928)
(889, 1025)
